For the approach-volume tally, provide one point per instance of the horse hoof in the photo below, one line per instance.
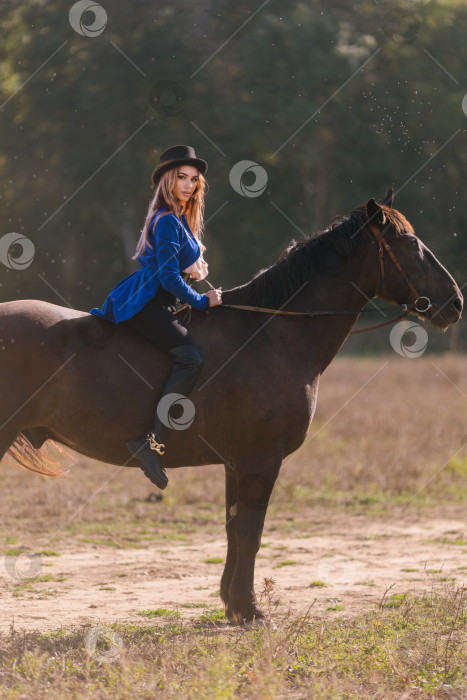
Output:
(254, 623)
(258, 622)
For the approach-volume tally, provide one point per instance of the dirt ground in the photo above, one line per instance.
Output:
(358, 557)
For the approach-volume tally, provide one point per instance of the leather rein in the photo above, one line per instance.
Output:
(420, 305)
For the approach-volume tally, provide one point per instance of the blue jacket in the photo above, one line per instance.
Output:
(172, 248)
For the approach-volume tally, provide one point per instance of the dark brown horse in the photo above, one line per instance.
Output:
(86, 383)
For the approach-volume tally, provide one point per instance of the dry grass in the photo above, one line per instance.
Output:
(386, 427)
(411, 647)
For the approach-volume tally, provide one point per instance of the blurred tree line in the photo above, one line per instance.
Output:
(336, 101)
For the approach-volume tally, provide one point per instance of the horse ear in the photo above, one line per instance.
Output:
(374, 212)
(388, 198)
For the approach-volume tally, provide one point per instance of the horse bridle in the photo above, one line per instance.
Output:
(421, 304)
(385, 247)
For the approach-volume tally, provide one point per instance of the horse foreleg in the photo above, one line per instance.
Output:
(254, 490)
(230, 528)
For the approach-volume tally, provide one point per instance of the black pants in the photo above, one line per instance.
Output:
(157, 321)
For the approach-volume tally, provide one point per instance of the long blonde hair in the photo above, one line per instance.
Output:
(164, 197)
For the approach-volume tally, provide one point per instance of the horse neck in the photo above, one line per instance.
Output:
(315, 341)
(350, 291)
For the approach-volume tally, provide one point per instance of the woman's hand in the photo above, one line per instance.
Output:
(214, 296)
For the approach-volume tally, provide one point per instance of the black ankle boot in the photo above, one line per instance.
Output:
(149, 460)
(187, 365)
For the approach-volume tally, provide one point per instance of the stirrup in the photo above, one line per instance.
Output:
(159, 447)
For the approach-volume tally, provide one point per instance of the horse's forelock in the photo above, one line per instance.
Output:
(400, 224)
(398, 221)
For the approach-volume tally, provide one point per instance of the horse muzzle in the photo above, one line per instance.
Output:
(447, 314)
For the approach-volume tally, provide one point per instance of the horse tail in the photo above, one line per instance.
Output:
(26, 455)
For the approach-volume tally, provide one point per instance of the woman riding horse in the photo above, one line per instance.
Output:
(169, 246)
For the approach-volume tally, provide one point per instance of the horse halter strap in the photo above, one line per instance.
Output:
(385, 247)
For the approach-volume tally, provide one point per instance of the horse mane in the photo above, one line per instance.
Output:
(345, 237)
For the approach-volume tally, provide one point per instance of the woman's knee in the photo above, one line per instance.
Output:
(190, 355)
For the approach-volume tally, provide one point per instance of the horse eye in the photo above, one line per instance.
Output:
(413, 243)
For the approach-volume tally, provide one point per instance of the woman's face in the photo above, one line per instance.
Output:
(185, 183)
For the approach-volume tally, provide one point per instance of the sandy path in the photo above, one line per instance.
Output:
(357, 557)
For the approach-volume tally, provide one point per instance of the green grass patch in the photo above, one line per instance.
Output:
(50, 553)
(459, 541)
(14, 552)
(216, 615)
(11, 539)
(193, 605)
(159, 612)
(394, 601)
(287, 562)
(103, 542)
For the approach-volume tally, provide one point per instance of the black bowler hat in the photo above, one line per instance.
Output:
(178, 155)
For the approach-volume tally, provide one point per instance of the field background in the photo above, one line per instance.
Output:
(366, 526)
